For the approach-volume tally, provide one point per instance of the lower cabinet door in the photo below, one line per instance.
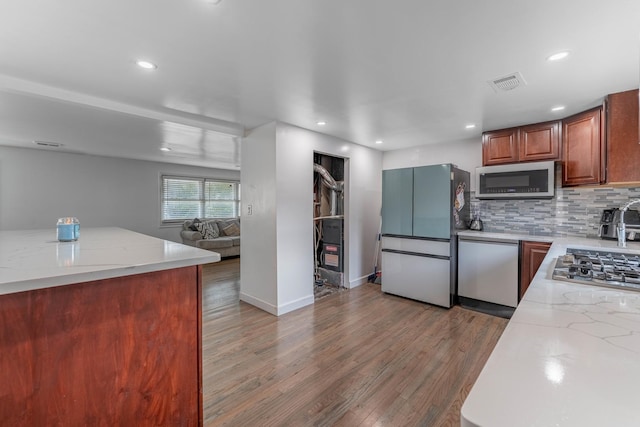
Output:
(417, 277)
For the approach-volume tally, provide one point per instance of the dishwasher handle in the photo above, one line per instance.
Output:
(488, 240)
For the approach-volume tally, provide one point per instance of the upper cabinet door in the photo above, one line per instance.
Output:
(539, 142)
(397, 202)
(582, 149)
(623, 149)
(499, 147)
(432, 201)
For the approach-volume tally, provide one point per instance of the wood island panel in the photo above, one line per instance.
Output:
(123, 351)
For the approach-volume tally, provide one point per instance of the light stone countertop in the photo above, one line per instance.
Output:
(483, 235)
(35, 259)
(570, 355)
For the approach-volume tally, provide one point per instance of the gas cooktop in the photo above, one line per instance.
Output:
(612, 269)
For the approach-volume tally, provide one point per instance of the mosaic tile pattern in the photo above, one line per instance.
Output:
(574, 211)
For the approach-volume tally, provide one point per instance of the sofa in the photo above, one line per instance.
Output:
(221, 235)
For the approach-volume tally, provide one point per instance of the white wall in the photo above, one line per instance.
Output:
(258, 251)
(293, 203)
(294, 172)
(39, 186)
(466, 154)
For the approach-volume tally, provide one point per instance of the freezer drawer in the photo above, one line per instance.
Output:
(422, 246)
(417, 277)
(488, 271)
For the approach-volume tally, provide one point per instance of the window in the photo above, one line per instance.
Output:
(187, 198)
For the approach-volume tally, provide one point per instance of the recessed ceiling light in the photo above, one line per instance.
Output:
(321, 123)
(379, 141)
(165, 149)
(146, 65)
(470, 126)
(558, 108)
(558, 56)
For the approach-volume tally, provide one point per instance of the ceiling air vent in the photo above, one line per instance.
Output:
(510, 82)
(48, 144)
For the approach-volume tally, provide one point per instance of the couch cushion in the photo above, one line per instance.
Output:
(235, 240)
(231, 229)
(220, 242)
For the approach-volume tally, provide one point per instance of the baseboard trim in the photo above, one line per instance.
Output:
(294, 305)
(359, 281)
(256, 302)
(277, 310)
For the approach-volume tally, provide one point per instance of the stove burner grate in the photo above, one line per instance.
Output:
(612, 269)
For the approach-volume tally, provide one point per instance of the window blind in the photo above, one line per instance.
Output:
(187, 198)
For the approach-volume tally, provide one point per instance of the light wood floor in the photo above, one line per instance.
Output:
(357, 358)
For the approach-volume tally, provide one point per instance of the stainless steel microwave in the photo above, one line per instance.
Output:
(534, 180)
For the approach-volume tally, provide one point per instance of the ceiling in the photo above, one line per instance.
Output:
(407, 72)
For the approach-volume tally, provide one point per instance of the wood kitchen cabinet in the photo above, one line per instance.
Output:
(623, 149)
(539, 142)
(500, 147)
(536, 142)
(583, 149)
(532, 255)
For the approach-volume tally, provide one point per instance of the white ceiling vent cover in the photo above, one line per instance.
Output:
(48, 144)
(509, 82)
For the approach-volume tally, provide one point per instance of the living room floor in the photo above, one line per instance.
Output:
(355, 358)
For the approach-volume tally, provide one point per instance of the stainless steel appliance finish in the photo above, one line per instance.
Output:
(610, 222)
(622, 228)
(611, 269)
(533, 180)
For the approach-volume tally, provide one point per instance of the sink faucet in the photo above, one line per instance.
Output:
(622, 230)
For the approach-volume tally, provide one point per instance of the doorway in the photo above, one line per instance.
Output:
(328, 224)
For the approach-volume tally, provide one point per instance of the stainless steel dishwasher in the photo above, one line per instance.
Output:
(488, 274)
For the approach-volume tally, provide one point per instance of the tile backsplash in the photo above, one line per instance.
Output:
(574, 211)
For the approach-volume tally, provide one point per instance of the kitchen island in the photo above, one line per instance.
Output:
(570, 355)
(102, 331)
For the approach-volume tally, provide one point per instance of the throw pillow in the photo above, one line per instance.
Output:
(231, 230)
(193, 226)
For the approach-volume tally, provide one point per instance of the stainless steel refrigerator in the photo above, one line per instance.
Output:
(422, 208)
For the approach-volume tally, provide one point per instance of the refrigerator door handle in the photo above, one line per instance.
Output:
(395, 251)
